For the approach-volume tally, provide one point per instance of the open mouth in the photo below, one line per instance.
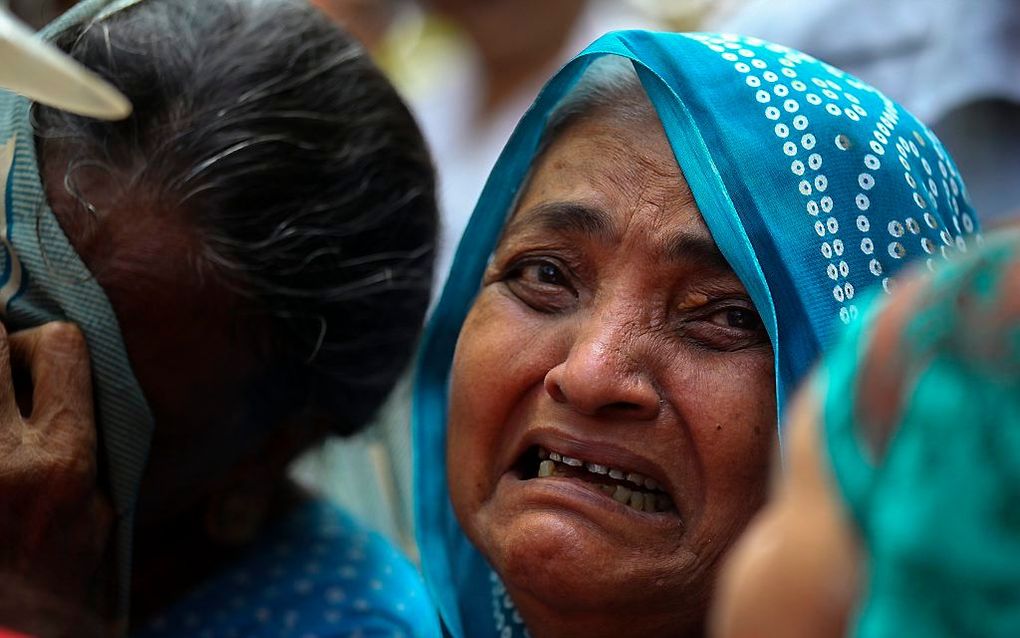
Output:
(638, 492)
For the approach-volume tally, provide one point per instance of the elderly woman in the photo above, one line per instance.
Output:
(897, 513)
(248, 258)
(675, 230)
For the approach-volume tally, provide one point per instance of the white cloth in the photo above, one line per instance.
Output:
(465, 148)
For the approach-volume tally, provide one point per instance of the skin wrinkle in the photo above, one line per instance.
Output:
(618, 333)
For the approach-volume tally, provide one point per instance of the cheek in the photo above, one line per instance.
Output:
(470, 430)
(728, 399)
(501, 356)
(730, 409)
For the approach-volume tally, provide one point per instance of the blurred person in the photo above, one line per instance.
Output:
(675, 230)
(951, 62)
(367, 20)
(248, 258)
(29, 608)
(895, 513)
(55, 519)
(477, 94)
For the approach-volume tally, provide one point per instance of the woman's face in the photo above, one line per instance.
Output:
(613, 397)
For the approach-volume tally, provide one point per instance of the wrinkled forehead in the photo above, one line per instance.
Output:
(604, 161)
(597, 182)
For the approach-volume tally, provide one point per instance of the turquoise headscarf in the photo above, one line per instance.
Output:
(42, 279)
(814, 185)
(937, 506)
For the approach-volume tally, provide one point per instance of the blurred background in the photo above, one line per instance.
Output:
(470, 68)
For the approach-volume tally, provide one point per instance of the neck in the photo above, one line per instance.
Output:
(173, 557)
(544, 621)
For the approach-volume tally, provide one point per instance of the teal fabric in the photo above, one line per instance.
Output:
(815, 186)
(42, 279)
(938, 510)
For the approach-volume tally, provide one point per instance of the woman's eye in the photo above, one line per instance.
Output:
(740, 318)
(542, 272)
(542, 284)
(546, 273)
(727, 327)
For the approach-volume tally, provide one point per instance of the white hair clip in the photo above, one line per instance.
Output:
(41, 72)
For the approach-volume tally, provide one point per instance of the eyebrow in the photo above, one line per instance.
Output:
(566, 217)
(583, 219)
(685, 246)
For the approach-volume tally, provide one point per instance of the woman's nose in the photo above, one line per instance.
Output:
(602, 376)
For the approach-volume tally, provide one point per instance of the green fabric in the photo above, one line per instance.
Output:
(43, 279)
(939, 510)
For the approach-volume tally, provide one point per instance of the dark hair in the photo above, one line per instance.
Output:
(608, 87)
(306, 180)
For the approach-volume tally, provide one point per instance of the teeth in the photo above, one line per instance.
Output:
(546, 468)
(652, 500)
(649, 502)
(572, 462)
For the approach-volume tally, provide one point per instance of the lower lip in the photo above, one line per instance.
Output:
(580, 496)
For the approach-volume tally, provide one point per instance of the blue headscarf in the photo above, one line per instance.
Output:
(814, 185)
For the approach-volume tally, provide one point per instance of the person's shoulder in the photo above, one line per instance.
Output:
(317, 573)
(354, 575)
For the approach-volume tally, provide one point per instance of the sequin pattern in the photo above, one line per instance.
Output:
(827, 123)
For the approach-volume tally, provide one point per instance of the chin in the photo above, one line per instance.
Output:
(572, 564)
(548, 558)
(571, 575)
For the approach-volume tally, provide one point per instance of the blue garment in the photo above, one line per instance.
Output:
(317, 574)
(814, 185)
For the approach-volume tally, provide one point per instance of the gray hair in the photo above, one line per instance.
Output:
(609, 86)
(270, 135)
